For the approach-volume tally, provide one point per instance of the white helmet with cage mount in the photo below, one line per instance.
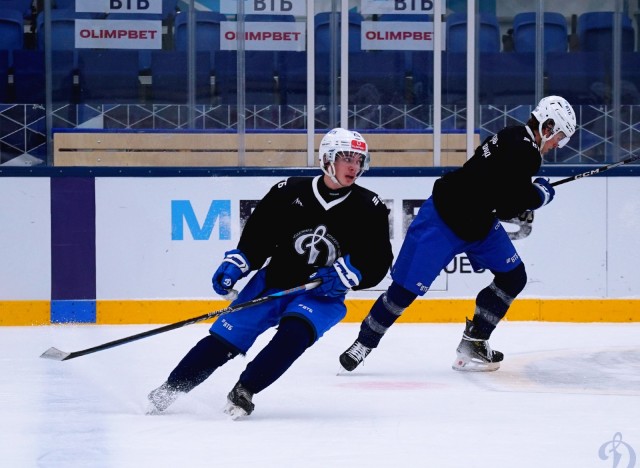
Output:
(341, 141)
(561, 113)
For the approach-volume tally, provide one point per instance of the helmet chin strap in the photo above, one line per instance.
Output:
(331, 172)
(543, 139)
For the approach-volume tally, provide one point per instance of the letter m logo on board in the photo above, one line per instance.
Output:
(182, 214)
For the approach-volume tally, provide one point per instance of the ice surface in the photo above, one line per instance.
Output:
(563, 392)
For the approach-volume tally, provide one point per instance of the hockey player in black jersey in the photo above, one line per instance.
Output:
(323, 227)
(462, 215)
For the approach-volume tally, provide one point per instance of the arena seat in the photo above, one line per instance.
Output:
(556, 34)
(62, 28)
(488, 33)
(595, 32)
(323, 31)
(207, 33)
(21, 6)
(11, 30)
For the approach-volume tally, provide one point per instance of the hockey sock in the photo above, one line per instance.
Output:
(200, 362)
(493, 301)
(293, 337)
(384, 313)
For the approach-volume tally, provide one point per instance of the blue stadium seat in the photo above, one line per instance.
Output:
(260, 84)
(29, 76)
(556, 34)
(488, 33)
(595, 32)
(207, 34)
(169, 82)
(22, 6)
(507, 79)
(62, 28)
(169, 9)
(109, 76)
(323, 31)
(572, 75)
(4, 75)
(11, 30)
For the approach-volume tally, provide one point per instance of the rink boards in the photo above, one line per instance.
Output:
(110, 250)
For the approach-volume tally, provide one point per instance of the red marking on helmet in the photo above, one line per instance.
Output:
(359, 145)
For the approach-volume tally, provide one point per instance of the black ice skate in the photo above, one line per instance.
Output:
(475, 354)
(239, 402)
(353, 356)
(161, 398)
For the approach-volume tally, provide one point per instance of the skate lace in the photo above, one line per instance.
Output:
(358, 351)
(479, 346)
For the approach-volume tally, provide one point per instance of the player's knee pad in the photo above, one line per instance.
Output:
(512, 282)
(296, 330)
(400, 297)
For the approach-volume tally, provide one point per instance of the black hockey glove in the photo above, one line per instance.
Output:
(337, 279)
(233, 267)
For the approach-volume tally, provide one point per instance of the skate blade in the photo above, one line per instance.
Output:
(234, 412)
(152, 410)
(464, 364)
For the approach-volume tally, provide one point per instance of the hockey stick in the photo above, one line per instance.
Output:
(597, 170)
(57, 355)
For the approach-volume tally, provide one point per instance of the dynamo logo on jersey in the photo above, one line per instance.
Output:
(314, 243)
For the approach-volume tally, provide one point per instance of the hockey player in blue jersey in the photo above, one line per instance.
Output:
(325, 227)
(463, 216)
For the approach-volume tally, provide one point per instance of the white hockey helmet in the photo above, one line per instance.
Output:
(341, 141)
(560, 111)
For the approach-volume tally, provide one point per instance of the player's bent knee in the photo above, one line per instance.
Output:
(399, 296)
(512, 282)
(297, 329)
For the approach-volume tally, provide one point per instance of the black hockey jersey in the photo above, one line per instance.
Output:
(495, 182)
(299, 231)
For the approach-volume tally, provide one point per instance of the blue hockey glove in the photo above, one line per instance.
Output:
(545, 190)
(337, 279)
(233, 267)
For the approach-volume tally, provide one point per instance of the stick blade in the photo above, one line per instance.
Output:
(55, 354)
